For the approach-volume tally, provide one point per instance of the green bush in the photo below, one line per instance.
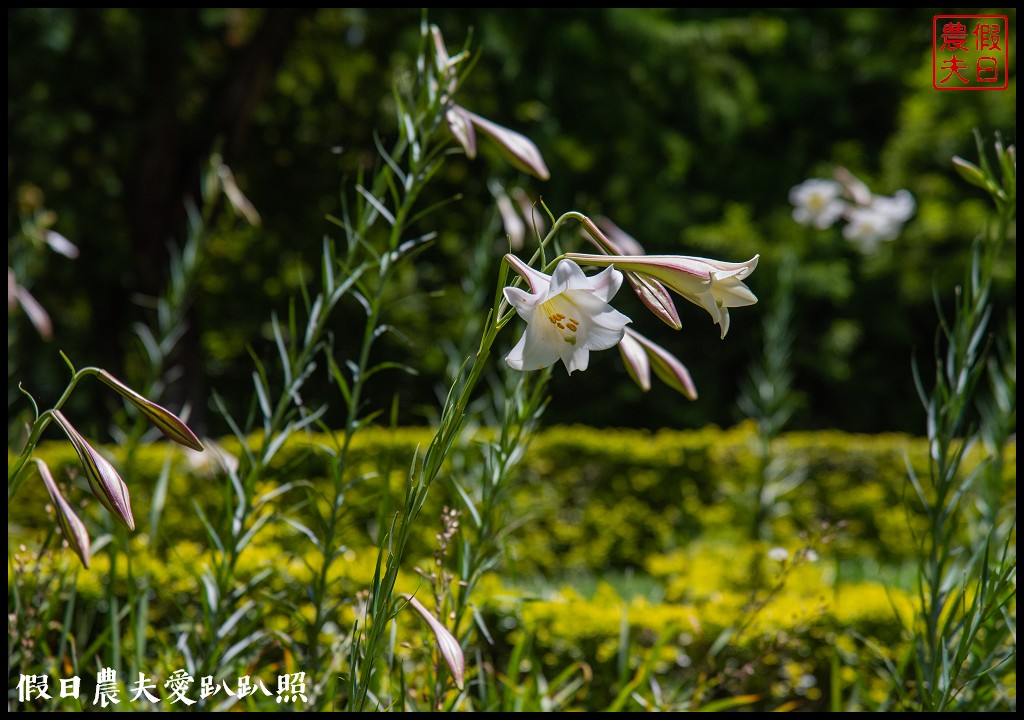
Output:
(585, 500)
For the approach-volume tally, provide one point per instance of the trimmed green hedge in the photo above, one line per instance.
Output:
(583, 500)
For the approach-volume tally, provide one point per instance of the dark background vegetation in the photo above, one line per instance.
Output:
(686, 127)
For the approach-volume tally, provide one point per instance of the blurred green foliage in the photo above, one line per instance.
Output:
(687, 127)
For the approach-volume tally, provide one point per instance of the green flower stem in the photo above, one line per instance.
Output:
(382, 605)
(15, 474)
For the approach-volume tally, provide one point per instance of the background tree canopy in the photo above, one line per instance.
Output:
(687, 127)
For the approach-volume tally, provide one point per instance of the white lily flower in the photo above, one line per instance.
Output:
(567, 315)
(714, 285)
(817, 202)
(880, 220)
(899, 208)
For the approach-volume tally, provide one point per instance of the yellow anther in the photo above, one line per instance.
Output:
(574, 321)
(560, 326)
(572, 327)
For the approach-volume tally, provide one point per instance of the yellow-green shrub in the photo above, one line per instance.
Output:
(582, 499)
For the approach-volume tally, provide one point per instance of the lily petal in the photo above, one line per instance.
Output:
(537, 280)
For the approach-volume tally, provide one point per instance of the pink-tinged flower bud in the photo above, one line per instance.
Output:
(655, 298)
(534, 217)
(652, 293)
(73, 528)
(517, 148)
(169, 424)
(635, 357)
(625, 243)
(514, 226)
(440, 51)
(462, 129)
(665, 365)
(105, 483)
(450, 649)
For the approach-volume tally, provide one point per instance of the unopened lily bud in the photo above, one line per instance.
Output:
(450, 649)
(652, 293)
(970, 172)
(514, 226)
(534, 218)
(73, 528)
(518, 148)
(637, 364)
(105, 483)
(440, 51)
(666, 366)
(655, 298)
(462, 129)
(35, 312)
(169, 424)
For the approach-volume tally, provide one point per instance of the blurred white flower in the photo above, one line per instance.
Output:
(880, 221)
(817, 202)
(898, 209)
(873, 219)
(778, 554)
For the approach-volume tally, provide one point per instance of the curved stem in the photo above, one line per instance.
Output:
(15, 474)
